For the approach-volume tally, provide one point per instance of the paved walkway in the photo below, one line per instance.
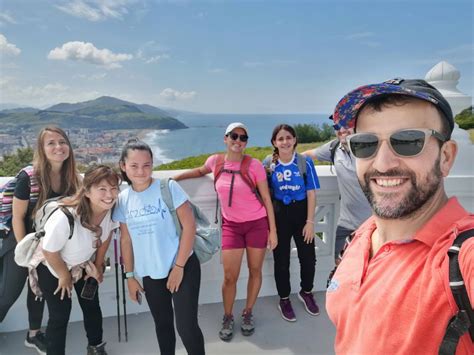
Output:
(273, 335)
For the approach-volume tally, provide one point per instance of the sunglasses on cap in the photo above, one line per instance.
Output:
(243, 137)
(404, 143)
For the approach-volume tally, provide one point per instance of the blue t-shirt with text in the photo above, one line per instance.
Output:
(152, 230)
(287, 182)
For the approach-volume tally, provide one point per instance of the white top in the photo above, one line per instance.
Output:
(79, 248)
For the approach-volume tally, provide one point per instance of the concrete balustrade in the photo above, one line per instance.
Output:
(201, 191)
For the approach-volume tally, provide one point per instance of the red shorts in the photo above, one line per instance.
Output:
(239, 235)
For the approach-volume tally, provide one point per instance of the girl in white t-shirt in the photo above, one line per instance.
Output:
(69, 262)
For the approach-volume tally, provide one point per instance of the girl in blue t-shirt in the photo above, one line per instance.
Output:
(152, 250)
(294, 196)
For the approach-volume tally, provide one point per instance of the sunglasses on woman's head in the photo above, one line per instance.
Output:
(243, 137)
(404, 143)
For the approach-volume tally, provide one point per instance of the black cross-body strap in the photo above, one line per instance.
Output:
(463, 321)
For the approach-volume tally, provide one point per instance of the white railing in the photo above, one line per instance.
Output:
(201, 191)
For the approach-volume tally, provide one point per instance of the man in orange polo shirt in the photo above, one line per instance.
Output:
(391, 294)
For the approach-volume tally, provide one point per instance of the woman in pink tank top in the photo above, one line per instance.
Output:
(248, 221)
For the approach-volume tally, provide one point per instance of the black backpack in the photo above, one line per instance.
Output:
(335, 143)
(463, 321)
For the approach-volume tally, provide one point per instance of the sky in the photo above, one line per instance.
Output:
(247, 56)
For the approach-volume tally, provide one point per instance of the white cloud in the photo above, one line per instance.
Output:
(152, 52)
(87, 52)
(156, 58)
(8, 48)
(97, 76)
(96, 10)
(42, 95)
(173, 95)
(6, 18)
(360, 35)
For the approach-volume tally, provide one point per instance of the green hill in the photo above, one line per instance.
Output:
(102, 113)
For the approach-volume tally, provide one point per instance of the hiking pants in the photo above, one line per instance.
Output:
(12, 282)
(185, 301)
(59, 312)
(290, 221)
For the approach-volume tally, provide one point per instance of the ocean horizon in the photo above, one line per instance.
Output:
(206, 133)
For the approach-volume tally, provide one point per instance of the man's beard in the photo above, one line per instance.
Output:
(414, 200)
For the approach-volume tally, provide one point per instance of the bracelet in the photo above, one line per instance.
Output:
(129, 275)
(182, 267)
(309, 221)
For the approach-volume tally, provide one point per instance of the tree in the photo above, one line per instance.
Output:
(311, 133)
(13, 163)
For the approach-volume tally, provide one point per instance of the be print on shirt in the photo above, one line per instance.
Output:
(288, 184)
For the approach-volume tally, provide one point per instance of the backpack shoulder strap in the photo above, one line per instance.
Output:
(168, 200)
(332, 148)
(301, 161)
(244, 173)
(267, 162)
(70, 219)
(218, 166)
(245, 165)
(463, 321)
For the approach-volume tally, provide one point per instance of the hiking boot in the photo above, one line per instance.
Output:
(248, 326)
(37, 342)
(227, 331)
(97, 349)
(286, 310)
(309, 302)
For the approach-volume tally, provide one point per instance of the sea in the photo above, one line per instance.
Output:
(206, 133)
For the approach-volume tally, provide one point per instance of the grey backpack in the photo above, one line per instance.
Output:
(25, 249)
(208, 239)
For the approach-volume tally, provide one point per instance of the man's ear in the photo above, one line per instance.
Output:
(448, 154)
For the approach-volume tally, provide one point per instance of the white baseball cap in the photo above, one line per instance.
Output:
(235, 125)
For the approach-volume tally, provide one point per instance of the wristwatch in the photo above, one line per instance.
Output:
(129, 275)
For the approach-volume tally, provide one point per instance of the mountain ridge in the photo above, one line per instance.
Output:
(104, 112)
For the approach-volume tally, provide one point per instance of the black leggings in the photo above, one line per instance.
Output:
(59, 312)
(290, 221)
(12, 282)
(185, 301)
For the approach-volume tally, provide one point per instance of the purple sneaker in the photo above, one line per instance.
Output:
(309, 302)
(286, 310)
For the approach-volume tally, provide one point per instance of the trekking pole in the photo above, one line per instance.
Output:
(117, 290)
(124, 299)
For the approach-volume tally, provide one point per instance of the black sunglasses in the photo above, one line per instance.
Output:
(243, 137)
(404, 143)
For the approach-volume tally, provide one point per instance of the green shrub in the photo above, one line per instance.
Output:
(11, 164)
(465, 119)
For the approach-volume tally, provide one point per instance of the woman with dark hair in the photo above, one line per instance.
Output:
(153, 250)
(294, 201)
(70, 261)
(54, 174)
(248, 223)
